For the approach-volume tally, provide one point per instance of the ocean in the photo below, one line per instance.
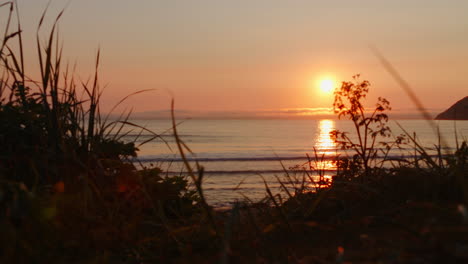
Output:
(238, 154)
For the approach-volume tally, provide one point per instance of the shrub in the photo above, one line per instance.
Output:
(368, 126)
(65, 174)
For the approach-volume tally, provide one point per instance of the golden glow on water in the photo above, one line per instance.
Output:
(325, 146)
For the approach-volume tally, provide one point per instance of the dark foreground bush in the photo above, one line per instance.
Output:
(69, 190)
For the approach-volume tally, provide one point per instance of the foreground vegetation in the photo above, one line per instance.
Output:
(70, 193)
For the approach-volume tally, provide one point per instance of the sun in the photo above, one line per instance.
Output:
(327, 86)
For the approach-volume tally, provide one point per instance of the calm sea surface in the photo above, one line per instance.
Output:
(237, 153)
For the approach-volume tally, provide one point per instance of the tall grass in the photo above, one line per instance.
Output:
(450, 166)
(65, 172)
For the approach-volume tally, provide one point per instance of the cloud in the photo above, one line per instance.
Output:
(290, 113)
(286, 113)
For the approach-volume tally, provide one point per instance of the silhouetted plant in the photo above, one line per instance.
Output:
(66, 174)
(368, 125)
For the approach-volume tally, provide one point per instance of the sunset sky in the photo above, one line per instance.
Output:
(223, 57)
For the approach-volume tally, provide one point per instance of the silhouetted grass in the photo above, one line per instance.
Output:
(69, 190)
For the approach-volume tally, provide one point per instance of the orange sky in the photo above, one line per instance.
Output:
(244, 57)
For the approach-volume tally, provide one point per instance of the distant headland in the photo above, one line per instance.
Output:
(458, 111)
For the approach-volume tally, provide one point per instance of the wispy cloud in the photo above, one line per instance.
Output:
(289, 113)
(307, 111)
(285, 113)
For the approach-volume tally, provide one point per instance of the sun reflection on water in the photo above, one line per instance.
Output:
(325, 144)
(325, 147)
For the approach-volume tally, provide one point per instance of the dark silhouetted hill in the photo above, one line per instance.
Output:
(458, 111)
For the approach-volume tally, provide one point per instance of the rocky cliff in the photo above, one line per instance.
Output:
(458, 111)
